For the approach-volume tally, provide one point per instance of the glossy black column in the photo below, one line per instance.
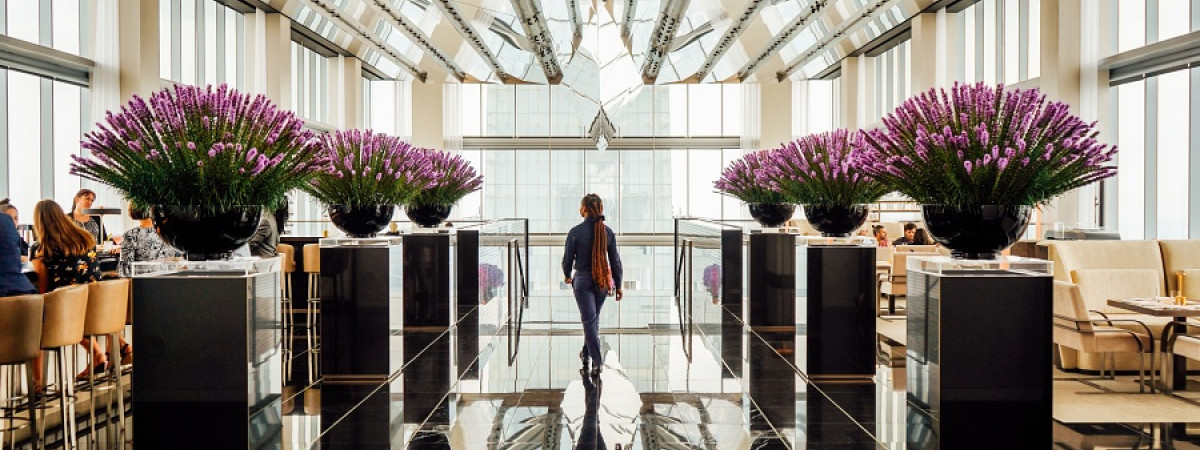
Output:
(979, 360)
(360, 286)
(467, 312)
(427, 280)
(841, 311)
(209, 371)
(772, 277)
(732, 296)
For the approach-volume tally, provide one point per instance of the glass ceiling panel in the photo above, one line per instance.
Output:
(694, 40)
(641, 28)
(859, 33)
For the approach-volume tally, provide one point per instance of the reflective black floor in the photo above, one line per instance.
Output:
(664, 386)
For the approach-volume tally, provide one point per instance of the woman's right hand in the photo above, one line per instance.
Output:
(570, 281)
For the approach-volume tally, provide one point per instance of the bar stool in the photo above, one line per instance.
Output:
(20, 336)
(312, 266)
(62, 329)
(107, 307)
(289, 266)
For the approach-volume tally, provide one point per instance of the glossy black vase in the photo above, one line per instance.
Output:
(205, 235)
(428, 216)
(836, 220)
(772, 215)
(362, 221)
(976, 231)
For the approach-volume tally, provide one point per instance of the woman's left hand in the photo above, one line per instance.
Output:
(620, 294)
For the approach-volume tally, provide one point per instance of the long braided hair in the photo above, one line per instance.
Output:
(601, 272)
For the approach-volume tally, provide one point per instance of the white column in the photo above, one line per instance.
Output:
(776, 113)
(346, 92)
(137, 24)
(269, 56)
(427, 125)
(849, 98)
(1061, 79)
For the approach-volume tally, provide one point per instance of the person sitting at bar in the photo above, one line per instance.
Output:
(921, 237)
(7, 207)
(141, 243)
(66, 255)
(909, 229)
(880, 235)
(12, 280)
(83, 200)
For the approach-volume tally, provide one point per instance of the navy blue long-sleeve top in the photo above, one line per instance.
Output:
(12, 281)
(579, 250)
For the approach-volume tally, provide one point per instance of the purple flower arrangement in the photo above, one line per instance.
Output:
(823, 169)
(453, 177)
(212, 148)
(360, 168)
(747, 180)
(979, 145)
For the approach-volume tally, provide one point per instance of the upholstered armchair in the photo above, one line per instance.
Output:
(1077, 327)
(1185, 345)
(895, 283)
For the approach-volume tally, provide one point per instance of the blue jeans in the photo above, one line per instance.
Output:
(589, 298)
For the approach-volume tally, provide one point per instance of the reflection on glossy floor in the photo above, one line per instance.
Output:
(700, 386)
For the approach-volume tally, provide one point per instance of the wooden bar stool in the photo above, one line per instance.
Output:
(62, 329)
(288, 253)
(20, 339)
(107, 307)
(312, 267)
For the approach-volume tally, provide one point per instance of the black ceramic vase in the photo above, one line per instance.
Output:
(836, 220)
(205, 235)
(772, 215)
(976, 231)
(361, 221)
(428, 216)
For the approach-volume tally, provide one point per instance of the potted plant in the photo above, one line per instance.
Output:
(980, 158)
(822, 172)
(362, 175)
(453, 179)
(745, 180)
(206, 160)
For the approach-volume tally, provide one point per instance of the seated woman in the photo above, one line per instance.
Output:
(83, 200)
(141, 243)
(7, 207)
(12, 280)
(66, 255)
(921, 237)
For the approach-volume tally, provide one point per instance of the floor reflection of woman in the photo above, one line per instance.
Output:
(591, 249)
(590, 437)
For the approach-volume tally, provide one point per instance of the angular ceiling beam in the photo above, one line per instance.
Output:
(627, 21)
(780, 40)
(331, 13)
(660, 41)
(418, 37)
(468, 33)
(539, 38)
(846, 29)
(731, 35)
(576, 24)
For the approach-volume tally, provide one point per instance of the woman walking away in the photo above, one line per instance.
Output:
(592, 250)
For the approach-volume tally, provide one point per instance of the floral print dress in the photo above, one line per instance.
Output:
(68, 270)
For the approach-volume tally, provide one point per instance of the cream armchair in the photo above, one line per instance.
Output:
(1185, 345)
(1076, 327)
(895, 283)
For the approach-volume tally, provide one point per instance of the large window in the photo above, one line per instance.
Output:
(893, 78)
(1146, 22)
(52, 24)
(684, 110)
(310, 83)
(1002, 41)
(201, 42)
(42, 121)
(643, 189)
(1155, 155)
